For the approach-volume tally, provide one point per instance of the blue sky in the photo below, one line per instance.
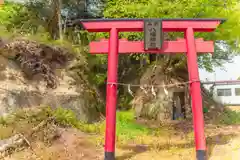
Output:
(231, 71)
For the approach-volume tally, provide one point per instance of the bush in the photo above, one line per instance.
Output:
(230, 117)
(126, 127)
(65, 117)
(68, 118)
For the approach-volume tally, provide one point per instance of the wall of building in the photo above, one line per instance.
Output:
(229, 71)
(227, 94)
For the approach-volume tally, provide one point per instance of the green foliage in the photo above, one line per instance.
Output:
(31, 17)
(228, 32)
(19, 18)
(127, 128)
(68, 118)
(65, 117)
(6, 11)
(205, 110)
(124, 101)
(98, 66)
(62, 117)
(31, 116)
(230, 117)
(99, 79)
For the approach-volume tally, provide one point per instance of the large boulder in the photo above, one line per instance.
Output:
(161, 103)
(173, 101)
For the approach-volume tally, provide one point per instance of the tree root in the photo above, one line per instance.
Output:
(19, 141)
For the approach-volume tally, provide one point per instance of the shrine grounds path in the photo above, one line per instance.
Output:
(136, 140)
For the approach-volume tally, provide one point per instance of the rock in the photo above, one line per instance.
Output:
(10, 144)
(158, 106)
(18, 92)
(162, 106)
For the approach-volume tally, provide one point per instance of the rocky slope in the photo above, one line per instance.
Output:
(34, 74)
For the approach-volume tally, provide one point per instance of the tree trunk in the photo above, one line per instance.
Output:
(54, 22)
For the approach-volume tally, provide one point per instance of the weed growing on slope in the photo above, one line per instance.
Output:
(126, 128)
(230, 117)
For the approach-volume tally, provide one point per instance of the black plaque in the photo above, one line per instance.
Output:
(153, 35)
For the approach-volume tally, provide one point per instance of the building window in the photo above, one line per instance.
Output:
(224, 92)
(237, 91)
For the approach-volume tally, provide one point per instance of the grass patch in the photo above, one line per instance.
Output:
(127, 128)
(229, 117)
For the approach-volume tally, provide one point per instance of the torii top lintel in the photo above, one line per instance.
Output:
(137, 25)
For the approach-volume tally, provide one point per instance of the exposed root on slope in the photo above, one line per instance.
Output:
(37, 60)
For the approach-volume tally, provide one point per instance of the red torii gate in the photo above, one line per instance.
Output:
(189, 45)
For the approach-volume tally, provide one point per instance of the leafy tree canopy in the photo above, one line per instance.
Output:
(228, 33)
(35, 16)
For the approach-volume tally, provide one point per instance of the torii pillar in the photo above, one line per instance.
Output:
(153, 43)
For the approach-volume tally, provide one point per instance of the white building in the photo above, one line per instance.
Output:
(227, 93)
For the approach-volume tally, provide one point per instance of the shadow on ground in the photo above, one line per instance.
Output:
(135, 149)
(219, 139)
(212, 141)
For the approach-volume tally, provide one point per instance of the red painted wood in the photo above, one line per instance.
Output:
(137, 26)
(111, 97)
(195, 91)
(128, 47)
(188, 45)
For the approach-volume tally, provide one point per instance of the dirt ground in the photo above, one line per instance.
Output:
(223, 144)
(72, 145)
(234, 108)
